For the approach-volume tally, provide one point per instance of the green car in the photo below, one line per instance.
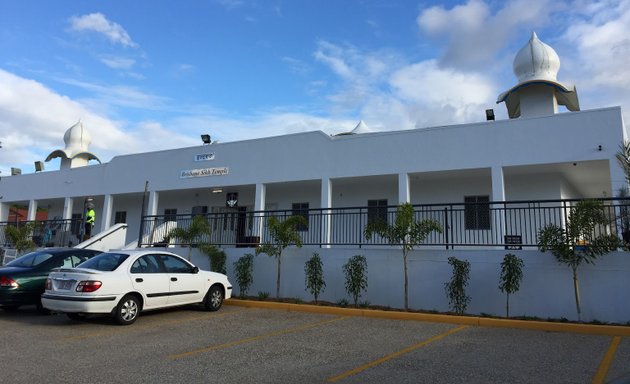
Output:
(22, 281)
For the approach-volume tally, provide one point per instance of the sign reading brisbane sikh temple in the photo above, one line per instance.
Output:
(203, 172)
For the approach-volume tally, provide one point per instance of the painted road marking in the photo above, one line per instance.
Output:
(604, 366)
(139, 327)
(256, 338)
(395, 354)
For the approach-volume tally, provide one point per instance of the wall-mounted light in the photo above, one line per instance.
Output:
(205, 138)
(489, 114)
(599, 147)
(217, 190)
(39, 166)
(16, 171)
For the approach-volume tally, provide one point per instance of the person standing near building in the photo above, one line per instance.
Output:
(90, 216)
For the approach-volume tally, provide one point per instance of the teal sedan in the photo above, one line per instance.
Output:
(22, 281)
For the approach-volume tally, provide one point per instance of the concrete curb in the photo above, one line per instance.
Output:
(609, 330)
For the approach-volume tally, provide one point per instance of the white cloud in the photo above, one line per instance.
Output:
(117, 62)
(118, 95)
(390, 93)
(97, 22)
(34, 118)
(473, 34)
(432, 89)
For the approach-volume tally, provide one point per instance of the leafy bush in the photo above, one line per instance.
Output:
(243, 270)
(456, 288)
(355, 271)
(511, 276)
(314, 275)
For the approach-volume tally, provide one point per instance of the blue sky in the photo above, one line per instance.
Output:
(146, 75)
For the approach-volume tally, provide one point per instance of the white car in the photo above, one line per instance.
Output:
(124, 283)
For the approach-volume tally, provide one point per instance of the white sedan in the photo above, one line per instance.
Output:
(124, 283)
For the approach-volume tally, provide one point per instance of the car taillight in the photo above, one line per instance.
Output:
(8, 282)
(88, 286)
(48, 284)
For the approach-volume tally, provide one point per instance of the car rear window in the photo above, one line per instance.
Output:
(32, 259)
(104, 262)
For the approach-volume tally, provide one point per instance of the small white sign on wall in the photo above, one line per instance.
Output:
(204, 156)
(203, 172)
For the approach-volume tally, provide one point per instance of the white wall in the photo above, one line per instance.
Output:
(546, 290)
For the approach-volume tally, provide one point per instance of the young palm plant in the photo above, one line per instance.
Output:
(580, 241)
(194, 234)
(20, 237)
(283, 233)
(406, 232)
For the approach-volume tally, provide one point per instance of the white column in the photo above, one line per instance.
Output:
(4, 212)
(259, 207)
(326, 204)
(404, 194)
(498, 195)
(68, 204)
(152, 207)
(259, 199)
(108, 206)
(32, 210)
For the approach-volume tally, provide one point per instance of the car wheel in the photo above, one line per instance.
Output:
(214, 298)
(75, 316)
(127, 310)
(10, 308)
(41, 309)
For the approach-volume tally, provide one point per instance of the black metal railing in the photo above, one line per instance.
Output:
(513, 224)
(47, 233)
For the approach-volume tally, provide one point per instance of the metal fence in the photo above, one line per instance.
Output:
(46, 233)
(513, 225)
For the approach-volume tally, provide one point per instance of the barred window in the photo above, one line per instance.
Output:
(120, 217)
(170, 214)
(300, 209)
(377, 211)
(477, 212)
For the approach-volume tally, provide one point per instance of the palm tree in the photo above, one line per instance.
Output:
(20, 236)
(193, 234)
(405, 232)
(580, 241)
(283, 233)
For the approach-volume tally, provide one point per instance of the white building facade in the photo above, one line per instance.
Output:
(537, 154)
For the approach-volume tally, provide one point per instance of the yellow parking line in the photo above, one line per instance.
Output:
(395, 354)
(256, 338)
(137, 327)
(604, 366)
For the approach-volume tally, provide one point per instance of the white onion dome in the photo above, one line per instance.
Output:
(535, 65)
(77, 138)
(536, 61)
(76, 153)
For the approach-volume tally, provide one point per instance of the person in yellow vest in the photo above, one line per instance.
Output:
(90, 215)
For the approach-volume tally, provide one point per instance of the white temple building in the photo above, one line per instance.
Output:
(539, 154)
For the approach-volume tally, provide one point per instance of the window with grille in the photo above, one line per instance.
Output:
(170, 214)
(377, 211)
(120, 217)
(300, 209)
(477, 212)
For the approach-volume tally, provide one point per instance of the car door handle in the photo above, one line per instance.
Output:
(173, 278)
(139, 280)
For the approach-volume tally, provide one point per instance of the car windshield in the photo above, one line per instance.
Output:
(104, 261)
(30, 260)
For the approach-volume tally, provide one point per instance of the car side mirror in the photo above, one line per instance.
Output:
(195, 270)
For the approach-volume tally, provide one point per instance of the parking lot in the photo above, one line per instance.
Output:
(241, 344)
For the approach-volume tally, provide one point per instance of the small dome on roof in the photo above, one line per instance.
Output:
(76, 153)
(77, 137)
(361, 128)
(536, 61)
